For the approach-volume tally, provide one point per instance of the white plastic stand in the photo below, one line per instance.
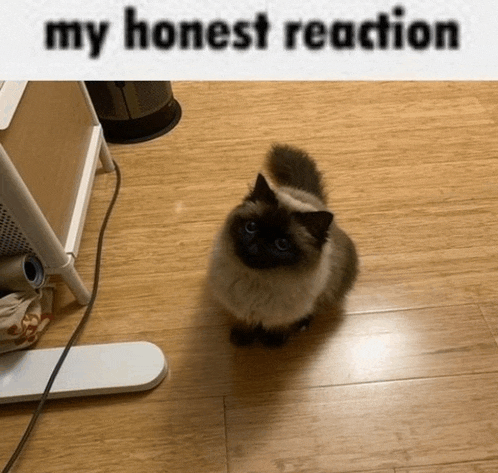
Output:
(23, 218)
(88, 370)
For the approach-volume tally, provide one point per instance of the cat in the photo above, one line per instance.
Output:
(279, 259)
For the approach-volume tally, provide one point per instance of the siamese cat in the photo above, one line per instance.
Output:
(279, 258)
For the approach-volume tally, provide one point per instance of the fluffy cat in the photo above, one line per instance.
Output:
(280, 258)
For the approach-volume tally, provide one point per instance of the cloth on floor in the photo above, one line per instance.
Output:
(23, 318)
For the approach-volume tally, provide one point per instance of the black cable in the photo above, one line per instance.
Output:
(77, 331)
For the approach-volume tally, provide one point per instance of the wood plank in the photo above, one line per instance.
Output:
(383, 425)
(490, 313)
(424, 279)
(474, 467)
(437, 227)
(375, 471)
(122, 433)
(352, 349)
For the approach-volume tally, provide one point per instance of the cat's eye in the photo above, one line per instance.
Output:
(282, 244)
(251, 226)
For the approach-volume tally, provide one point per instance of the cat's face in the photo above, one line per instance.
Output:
(267, 234)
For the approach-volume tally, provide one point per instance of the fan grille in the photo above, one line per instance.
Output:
(12, 241)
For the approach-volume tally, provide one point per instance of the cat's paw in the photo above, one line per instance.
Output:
(274, 338)
(242, 336)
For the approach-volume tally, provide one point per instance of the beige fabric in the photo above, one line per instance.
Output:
(22, 320)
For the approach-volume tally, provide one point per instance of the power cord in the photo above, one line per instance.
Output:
(77, 332)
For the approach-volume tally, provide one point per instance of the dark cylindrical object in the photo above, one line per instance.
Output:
(21, 273)
(131, 112)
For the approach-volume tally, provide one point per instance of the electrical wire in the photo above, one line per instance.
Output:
(77, 332)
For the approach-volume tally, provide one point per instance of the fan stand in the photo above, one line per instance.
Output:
(88, 370)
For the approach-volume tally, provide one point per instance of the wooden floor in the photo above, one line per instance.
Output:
(405, 381)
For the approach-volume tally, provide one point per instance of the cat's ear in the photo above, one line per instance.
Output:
(262, 192)
(317, 223)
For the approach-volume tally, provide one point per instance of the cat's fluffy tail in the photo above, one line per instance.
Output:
(292, 167)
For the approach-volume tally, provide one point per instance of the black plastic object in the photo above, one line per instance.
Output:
(134, 111)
